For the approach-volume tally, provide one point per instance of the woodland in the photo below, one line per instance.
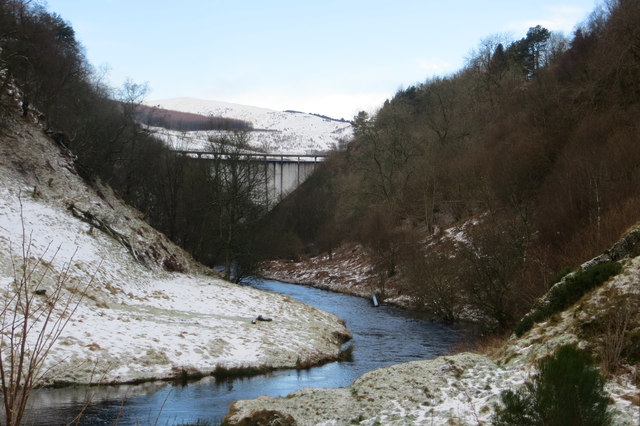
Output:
(533, 146)
(211, 215)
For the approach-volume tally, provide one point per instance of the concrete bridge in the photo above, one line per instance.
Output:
(282, 173)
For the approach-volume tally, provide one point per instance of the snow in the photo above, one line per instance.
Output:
(458, 389)
(136, 321)
(274, 131)
(463, 388)
(459, 234)
(567, 328)
(348, 271)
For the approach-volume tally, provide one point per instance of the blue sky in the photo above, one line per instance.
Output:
(329, 57)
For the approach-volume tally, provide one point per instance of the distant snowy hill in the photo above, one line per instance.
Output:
(284, 132)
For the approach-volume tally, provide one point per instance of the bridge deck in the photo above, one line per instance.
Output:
(287, 158)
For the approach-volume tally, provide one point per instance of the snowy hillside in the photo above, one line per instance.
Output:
(149, 311)
(274, 131)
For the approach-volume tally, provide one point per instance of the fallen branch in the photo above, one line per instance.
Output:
(95, 222)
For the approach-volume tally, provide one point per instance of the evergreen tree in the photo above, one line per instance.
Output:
(567, 391)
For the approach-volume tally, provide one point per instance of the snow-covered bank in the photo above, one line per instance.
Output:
(150, 311)
(464, 388)
(348, 271)
(456, 389)
(351, 270)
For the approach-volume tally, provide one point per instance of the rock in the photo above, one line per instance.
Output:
(450, 387)
(260, 318)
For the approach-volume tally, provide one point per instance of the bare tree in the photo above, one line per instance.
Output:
(33, 316)
(240, 183)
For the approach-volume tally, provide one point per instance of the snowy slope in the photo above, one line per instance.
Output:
(138, 320)
(274, 131)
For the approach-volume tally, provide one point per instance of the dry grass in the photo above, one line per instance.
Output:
(488, 345)
(617, 325)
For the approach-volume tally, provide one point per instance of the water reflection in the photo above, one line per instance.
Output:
(381, 336)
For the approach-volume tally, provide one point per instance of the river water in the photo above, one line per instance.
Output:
(381, 336)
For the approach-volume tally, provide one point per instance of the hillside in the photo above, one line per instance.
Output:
(149, 311)
(534, 142)
(284, 132)
(186, 121)
(465, 388)
(471, 197)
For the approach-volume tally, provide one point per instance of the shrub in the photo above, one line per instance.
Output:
(616, 326)
(518, 408)
(32, 319)
(577, 285)
(567, 292)
(556, 278)
(631, 351)
(524, 325)
(568, 390)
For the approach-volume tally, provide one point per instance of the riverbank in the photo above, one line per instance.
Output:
(465, 388)
(137, 324)
(348, 271)
(376, 333)
(145, 309)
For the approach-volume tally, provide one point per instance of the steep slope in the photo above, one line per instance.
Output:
(149, 310)
(274, 131)
(464, 388)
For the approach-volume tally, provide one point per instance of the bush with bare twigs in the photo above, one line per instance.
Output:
(34, 310)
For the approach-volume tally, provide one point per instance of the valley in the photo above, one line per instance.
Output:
(218, 260)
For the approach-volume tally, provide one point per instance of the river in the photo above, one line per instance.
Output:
(381, 336)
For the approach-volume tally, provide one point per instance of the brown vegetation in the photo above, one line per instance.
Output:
(185, 122)
(535, 140)
(44, 75)
(33, 315)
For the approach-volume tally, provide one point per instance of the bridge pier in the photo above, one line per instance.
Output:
(282, 172)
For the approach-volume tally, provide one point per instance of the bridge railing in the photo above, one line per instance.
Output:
(285, 158)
